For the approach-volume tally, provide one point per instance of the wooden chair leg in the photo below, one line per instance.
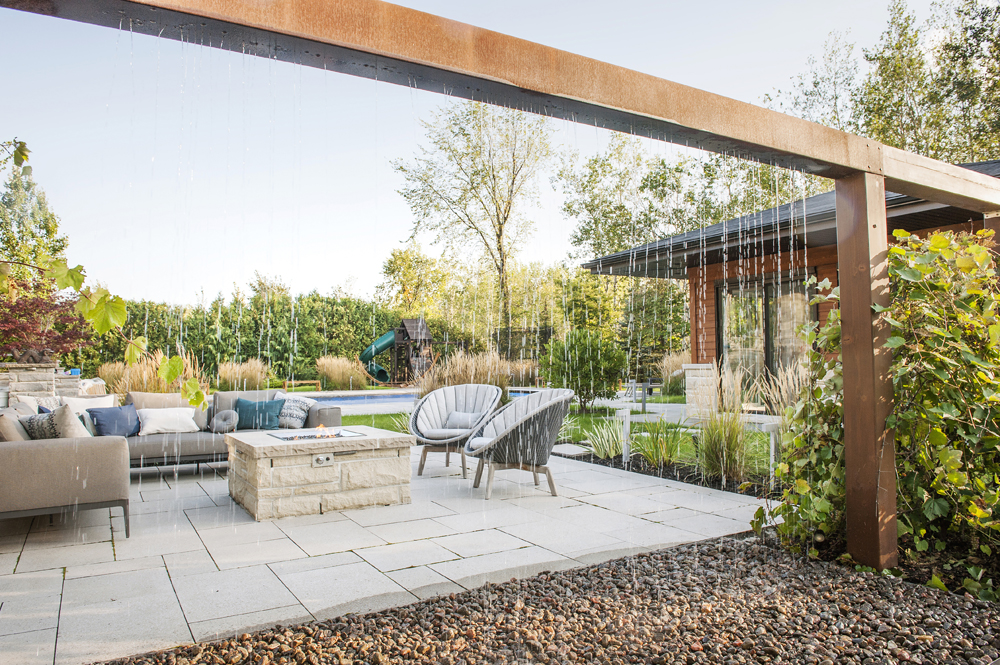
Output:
(447, 458)
(423, 460)
(535, 476)
(479, 473)
(489, 482)
(464, 477)
(552, 483)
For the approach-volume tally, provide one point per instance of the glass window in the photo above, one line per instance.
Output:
(758, 325)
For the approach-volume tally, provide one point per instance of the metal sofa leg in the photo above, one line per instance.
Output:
(479, 473)
(489, 481)
(552, 483)
(423, 460)
(124, 505)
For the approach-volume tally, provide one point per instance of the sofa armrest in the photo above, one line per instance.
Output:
(323, 414)
(48, 473)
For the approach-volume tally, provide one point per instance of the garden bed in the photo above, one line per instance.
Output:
(725, 601)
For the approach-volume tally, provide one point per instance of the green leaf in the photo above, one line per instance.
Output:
(936, 508)
(64, 276)
(134, 350)
(191, 392)
(936, 583)
(26, 171)
(108, 313)
(950, 458)
(910, 274)
(894, 342)
(801, 486)
(170, 369)
(994, 334)
(900, 233)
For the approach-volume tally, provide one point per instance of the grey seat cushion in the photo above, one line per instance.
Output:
(442, 434)
(168, 447)
(479, 442)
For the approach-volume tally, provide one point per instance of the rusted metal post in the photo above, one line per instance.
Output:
(869, 447)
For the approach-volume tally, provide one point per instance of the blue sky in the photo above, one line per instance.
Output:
(178, 170)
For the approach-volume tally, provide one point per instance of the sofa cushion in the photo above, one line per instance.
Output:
(80, 405)
(115, 420)
(167, 448)
(226, 400)
(11, 428)
(59, 424)
(258, 415)
(462, 419)
(23, 408)
(155, 400)
(295, 410)
(201, 417)
(166, 421)
(480, 442)
(224, 422)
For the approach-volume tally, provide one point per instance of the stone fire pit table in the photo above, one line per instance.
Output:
(280, 473)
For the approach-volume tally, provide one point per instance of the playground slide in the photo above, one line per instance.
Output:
(367, 356)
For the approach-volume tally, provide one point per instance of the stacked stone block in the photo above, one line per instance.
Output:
(701, 390)
(37, 380)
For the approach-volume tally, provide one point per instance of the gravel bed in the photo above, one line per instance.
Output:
(723, 601)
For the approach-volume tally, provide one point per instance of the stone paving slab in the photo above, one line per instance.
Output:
(74, 590)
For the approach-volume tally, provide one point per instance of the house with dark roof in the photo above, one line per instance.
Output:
(747, 276)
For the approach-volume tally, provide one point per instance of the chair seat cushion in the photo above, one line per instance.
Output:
(464, 420)
(442, 434)
(480, 442)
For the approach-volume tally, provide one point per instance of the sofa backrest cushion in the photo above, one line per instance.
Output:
(80, 405)
(226, 400)
(115, 420)
(11, 428)
(155, 400)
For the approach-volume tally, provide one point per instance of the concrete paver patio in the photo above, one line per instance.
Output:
(198, 567)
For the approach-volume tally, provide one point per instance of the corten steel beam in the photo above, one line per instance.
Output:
(375, 39)
(869, 453)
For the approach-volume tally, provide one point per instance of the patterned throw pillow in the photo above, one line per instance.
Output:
(295, 411)
(41, 426)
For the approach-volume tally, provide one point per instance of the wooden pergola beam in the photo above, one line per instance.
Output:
(399, 45)
(394, 44)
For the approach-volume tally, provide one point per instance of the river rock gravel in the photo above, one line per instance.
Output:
(723, 601)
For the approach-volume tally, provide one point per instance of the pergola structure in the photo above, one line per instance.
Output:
(377, 40)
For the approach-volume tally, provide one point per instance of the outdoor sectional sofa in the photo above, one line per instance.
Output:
(204, 445)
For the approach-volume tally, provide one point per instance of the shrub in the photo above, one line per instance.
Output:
(461, 367)
(586, 362)
(341, 374)
(143, 375)
(605, 439)
(945, 338)
(722, 445)
(658, 442)
(672, 371)
(251, 374)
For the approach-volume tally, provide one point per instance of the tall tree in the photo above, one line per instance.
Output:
(897, 104)
(412, 282)
(29, 231)
(606, 197)
(471, 184)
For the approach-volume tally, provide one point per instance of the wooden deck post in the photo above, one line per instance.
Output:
(868, 393)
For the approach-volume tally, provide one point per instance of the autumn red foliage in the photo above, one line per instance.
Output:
(40, 320)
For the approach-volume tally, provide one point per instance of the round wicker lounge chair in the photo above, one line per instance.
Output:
(521, 436)
(445, 418)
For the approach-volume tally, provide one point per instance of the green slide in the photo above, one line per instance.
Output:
(367, 356)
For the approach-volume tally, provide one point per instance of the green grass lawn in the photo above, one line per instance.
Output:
(380, 420)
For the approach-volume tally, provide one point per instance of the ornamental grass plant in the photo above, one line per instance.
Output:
(341, 374)
(722, 444)
(143, 375)
(462, 367)
(251, 374)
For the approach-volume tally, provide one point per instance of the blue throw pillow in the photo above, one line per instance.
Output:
(115, 420)
(258, 415)
(42, 409)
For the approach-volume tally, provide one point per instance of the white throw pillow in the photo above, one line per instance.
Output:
(461, 419)
(28, 401)
(166, 421)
